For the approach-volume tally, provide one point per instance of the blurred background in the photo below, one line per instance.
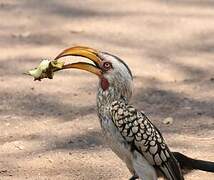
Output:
(49, 129)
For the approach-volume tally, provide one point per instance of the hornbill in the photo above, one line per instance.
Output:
(128, 131)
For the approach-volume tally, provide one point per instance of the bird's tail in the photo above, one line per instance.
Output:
(187, 163)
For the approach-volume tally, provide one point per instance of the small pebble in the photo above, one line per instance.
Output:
(168, 120)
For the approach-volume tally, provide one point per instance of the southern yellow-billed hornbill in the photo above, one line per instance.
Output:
(130, 134)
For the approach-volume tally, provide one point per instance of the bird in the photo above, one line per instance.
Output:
(128, 131)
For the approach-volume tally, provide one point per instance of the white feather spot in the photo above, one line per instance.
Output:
(149, 129)
(153, 149)
(140, 120)
(145, 136)
(159, 140)
(163, 157)
(148, 133)
(152, 143)
(135, 123)
(130, 133)
(131, 109)
(126, 126)
(157, 159)
(150, 138)
(120, 111)
(138, 138)
(126, 113)
(167, 154)
(120, 122)
(134, 129)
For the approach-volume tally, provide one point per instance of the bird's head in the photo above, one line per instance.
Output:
(115, 76)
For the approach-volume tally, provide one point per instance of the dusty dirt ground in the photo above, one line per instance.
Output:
(49, 129)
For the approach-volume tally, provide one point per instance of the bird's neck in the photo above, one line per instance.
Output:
(106, 97)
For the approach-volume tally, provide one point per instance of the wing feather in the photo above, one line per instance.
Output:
(137, 129)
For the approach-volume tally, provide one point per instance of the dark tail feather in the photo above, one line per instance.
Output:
(190, 164)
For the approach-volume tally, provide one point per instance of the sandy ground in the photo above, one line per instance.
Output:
(49, 129)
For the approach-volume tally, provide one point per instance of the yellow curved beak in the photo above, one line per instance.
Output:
(85, 52)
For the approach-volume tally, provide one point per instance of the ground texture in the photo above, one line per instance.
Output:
(49, 129)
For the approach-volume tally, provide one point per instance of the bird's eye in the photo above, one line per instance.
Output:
(107, 65)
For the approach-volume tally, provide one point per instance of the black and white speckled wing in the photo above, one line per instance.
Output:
(136, 128)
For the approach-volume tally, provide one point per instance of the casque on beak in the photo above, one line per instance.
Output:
(86, 52)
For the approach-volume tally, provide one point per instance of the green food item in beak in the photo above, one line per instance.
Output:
(57, 64)
(45, 69)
